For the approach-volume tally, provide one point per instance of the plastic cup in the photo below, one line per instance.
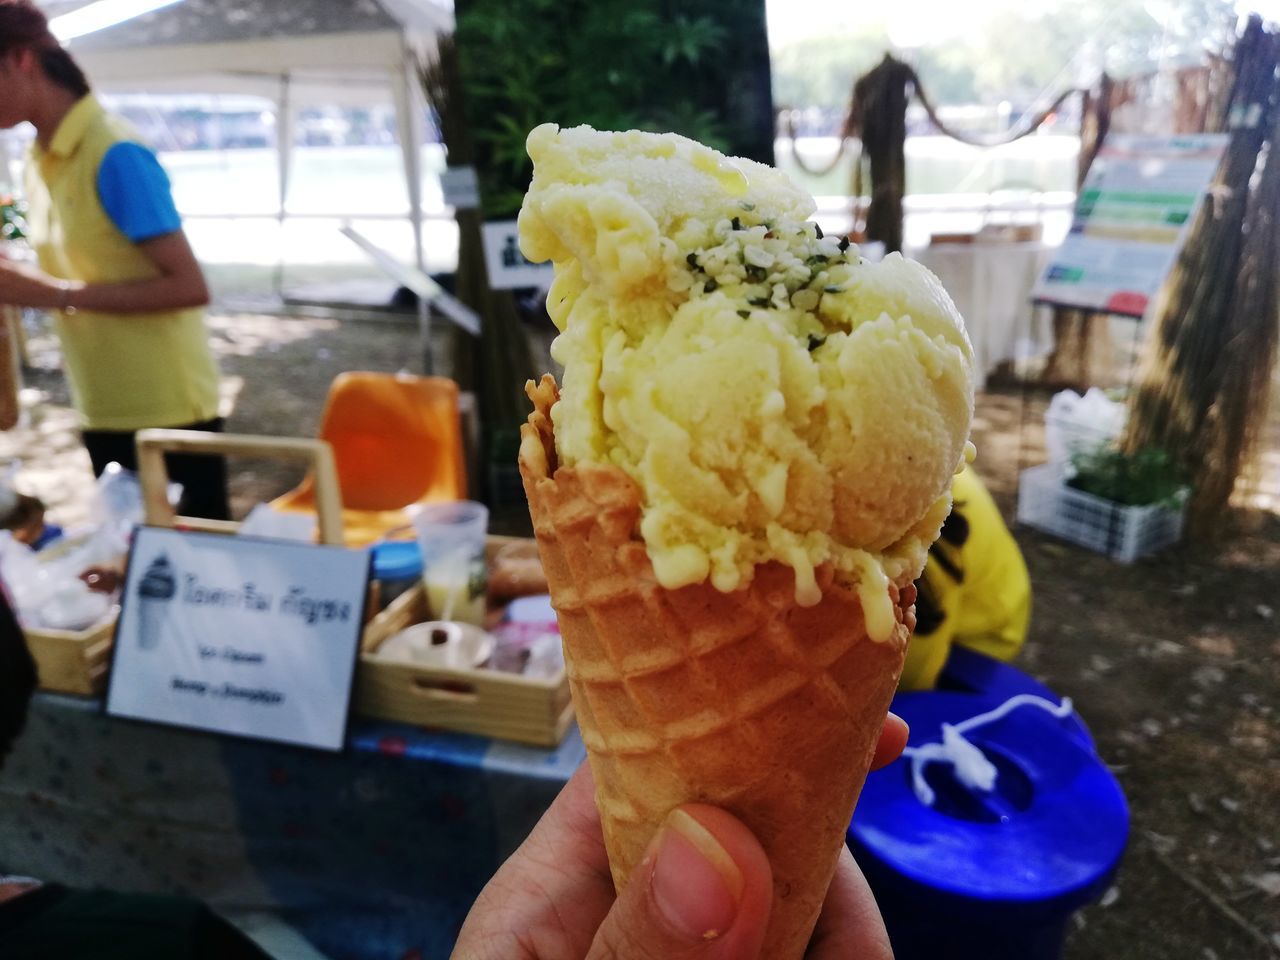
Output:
(451, 536)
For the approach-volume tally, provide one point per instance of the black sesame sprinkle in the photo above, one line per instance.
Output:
(744, 314)
(755, 274)
(833, 289)
(818, 230)
(761, 302)
(815, 342)
(737, 224)
(844, 244)
(692, 261)
(710, 286)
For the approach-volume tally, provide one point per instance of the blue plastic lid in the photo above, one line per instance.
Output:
(1052, 831)
(397, 560)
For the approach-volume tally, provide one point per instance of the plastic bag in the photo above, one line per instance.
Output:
(1076, 425)
(117, 505)
(528, 640)
(266, 521)
(49, 594)
(118, 509)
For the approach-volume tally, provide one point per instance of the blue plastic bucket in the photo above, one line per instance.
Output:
(990, 876)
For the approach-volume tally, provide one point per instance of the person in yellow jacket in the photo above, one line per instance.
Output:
(975, 590)
(115, 268)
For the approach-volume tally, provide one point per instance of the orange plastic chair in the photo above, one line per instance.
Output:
(397, 441)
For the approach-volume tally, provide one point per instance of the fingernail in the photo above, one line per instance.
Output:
(696, 884)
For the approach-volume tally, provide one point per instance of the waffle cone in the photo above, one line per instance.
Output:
(744, 700)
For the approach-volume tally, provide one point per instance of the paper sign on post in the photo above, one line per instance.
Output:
(256, 638)
(460, 187)
(505, 264)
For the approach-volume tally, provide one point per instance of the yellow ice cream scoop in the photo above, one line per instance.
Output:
(775, 396)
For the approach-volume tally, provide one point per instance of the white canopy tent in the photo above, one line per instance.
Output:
(294, 52)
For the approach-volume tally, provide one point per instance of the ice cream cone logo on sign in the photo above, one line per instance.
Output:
(156, 590)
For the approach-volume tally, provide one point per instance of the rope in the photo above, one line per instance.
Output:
(877, 119)
(795, 154)
(1024, 128)
(999, 141)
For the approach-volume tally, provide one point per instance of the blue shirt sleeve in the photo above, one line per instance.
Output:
(135, 193)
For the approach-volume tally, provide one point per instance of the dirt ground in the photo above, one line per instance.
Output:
(1174, 662)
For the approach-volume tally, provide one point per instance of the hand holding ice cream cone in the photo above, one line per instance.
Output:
(732, 493)
(706, 872)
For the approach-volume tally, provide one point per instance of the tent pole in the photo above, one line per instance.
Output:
(409, 115)
(408, 102)
(284, 163)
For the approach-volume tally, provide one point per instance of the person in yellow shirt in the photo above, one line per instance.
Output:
(975, 590)
(115, 268)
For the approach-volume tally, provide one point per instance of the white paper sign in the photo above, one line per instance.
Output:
(256, 638)
(506, 265)
(1131, 218)
(460, 187)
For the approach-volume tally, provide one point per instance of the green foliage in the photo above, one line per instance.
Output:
(609, 63)
(1137, 479)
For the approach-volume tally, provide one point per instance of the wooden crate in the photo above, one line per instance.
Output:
(73, 661)
(485, 702)
(490, 703)
(69, 661)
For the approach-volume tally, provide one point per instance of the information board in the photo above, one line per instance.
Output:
(1131, 217)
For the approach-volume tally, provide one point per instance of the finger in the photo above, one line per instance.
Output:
(850, 924)
(702, 892)
(552, 893)
(570, 829)
(893, 737)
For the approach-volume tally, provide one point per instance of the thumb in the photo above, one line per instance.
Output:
(702, 892)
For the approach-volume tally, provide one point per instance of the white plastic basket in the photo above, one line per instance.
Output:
(1122, 532)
